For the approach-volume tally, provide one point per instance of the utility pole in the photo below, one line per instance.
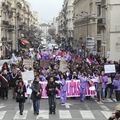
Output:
(87, 31)
(16, 24)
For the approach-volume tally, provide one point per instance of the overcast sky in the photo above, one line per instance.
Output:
(47, 9)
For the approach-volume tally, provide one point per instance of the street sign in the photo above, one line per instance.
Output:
(90, 42)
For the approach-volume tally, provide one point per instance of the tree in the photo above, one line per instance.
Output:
(35, 35)
(52, 31)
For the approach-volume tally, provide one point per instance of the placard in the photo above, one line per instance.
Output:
(28, 75)
(63, 66)
(109, 69)
(28, 63)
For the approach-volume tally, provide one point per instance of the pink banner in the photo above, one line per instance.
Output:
(73, 89)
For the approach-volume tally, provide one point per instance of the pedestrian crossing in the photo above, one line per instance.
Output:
(2, 114)
(60, 115)
(87, 115)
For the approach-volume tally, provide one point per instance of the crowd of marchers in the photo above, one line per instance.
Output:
(78, 68)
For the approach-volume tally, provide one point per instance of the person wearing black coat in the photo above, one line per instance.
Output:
(36, 94)
(20, 95)
(4, 84)
(51, 92)
(13, 78)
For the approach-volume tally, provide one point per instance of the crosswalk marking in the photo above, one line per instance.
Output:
(114, 100)
(21, 117)
(106, 114)
(2, 114)
(105, 108)
(62, 114)
(87, 114)
(65, 114)
(109, 100)
(44, 114)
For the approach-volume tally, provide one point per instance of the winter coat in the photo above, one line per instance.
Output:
(51, 88)
(36, 91)
(20, 91)
(4, 82)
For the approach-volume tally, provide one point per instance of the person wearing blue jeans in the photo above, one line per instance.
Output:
(83, 85)
(36, 106)
(36, 95)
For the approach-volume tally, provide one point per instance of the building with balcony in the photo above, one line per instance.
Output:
(111, 33)
(65, 22)
(16, 19)
(86, 25)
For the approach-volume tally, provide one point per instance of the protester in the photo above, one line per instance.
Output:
(116, 84)
(83, 84)
(108, 91)
(36, 94)
(63, 89)
(115, 115)
(51, 92)
(5, 67)
(98, 85)
(13, 78)
(20, 95)
(104, 79)
(4, 84)
(74, 67)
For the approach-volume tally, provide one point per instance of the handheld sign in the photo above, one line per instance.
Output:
(109, 69)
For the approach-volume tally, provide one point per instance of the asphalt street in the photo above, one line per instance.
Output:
(73, 110)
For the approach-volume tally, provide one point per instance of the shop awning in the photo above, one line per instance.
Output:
(24, 42)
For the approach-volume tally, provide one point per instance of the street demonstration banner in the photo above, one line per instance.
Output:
(73, 89)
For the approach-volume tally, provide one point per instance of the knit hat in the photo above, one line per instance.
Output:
(117, 108)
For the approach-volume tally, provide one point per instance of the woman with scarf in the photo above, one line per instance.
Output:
(20, 95)
(36, 94)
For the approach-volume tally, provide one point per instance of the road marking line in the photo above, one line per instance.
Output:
(21, 117)
(44, 114)
(114, 100)
(31, 108)
(87, 107)
(106, 114)
(109, 100)
(2, 114)
(67, 105)
(87, 114)
(65, 114)
(100, 103)
(2, 106)
(105, 108)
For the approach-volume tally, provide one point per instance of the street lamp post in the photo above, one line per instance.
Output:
(87, 31)
(16, 30)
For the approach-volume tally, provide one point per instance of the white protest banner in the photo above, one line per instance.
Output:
(109, 68)
(28, 75)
